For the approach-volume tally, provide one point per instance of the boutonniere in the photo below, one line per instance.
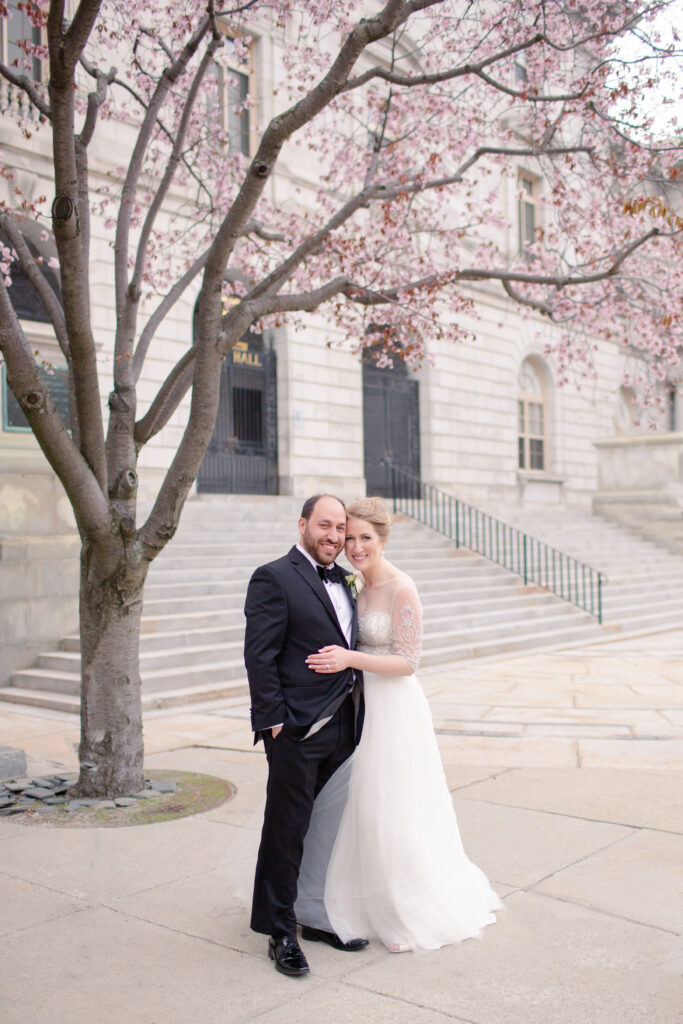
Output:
(352, 583)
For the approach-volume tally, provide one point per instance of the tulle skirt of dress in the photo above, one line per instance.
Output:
(383, 855)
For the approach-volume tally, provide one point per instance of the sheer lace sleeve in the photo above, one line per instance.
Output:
(406, 624)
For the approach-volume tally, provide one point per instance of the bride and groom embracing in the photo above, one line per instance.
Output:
(359, 838)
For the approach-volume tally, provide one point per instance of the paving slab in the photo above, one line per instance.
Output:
(640, 753)
(25, 904)
(625, 796)
(344, 1002)
(640, 878)
(544, 962)
(511, 751)
(117, 968)
(519, 847)
(585, 858)
(102, 863)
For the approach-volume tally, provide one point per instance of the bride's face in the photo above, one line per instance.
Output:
(364, 546)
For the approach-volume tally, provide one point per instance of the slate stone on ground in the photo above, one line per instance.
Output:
(164, 786)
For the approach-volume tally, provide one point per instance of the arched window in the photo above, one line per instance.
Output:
(532, 418)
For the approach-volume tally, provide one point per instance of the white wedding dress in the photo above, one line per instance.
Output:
(383, 856)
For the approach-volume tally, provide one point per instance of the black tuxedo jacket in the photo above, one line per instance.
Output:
(289, 616)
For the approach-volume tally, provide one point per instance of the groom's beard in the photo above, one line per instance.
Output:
(317, 551)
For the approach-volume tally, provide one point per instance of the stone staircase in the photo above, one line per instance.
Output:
(655, 515)
(644, 591)
(192, 626)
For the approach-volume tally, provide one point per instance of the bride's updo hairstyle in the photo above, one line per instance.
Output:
(372, 510)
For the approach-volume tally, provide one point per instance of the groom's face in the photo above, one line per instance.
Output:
(324, 533)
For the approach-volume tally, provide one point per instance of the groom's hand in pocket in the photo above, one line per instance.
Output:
(275, 731)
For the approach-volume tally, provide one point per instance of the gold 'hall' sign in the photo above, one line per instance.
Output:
(243, 357)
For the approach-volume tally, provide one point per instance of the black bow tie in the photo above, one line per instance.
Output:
(330, 574)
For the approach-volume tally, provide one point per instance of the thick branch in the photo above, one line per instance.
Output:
(42, 286)
(89, 503)
(167, 400)
(157, 317)
(66, 223)
(79, 30)
(95, 101)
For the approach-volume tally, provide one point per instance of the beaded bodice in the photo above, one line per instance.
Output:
(390, 620)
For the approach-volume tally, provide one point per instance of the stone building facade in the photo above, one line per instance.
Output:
(484, 420)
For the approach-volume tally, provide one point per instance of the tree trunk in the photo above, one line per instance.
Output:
(111, 748)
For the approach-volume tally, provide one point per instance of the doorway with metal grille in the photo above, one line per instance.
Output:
(242, 455)
(391, 422)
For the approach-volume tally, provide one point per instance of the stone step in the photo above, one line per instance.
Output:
(168, 678)
(152, 660)
(527, 641)
(181, 696)
(192, 626)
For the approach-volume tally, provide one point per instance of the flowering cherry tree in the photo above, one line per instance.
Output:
(416, 115)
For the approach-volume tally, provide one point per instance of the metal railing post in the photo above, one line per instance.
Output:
(470, 527)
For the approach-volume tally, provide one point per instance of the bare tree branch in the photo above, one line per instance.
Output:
(24, 83)
(174, 160)
(130, 184)
(410, 81)
(89, 503)
(79, 30)
(91, 70)
(167, 400)
(157, 317)
(42, 286)
(364, 296)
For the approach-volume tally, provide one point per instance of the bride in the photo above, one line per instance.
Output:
(383, 855)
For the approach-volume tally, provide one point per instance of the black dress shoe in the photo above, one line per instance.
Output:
(318, 935)
(286, 953)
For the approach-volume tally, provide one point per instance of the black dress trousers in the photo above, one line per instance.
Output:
(297, 771)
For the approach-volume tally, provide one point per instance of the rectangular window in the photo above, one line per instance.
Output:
(531, 436)
(57, 381)
(238, 114)
(535, 419)
(536, 453)
(226, 103)
(527, 211)
(521, 74)
(15, 29)
(521, 453)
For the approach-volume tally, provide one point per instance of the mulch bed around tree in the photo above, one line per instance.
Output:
(192, 793)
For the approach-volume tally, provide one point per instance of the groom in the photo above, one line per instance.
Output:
(309, 722)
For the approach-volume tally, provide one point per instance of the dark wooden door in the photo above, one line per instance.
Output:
(391, 422)
(242, 455)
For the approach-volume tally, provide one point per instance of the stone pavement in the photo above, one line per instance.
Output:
(565, 770)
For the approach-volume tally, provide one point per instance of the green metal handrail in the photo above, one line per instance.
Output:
(469, 527)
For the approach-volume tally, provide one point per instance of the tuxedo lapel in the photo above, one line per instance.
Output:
(310, 576)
